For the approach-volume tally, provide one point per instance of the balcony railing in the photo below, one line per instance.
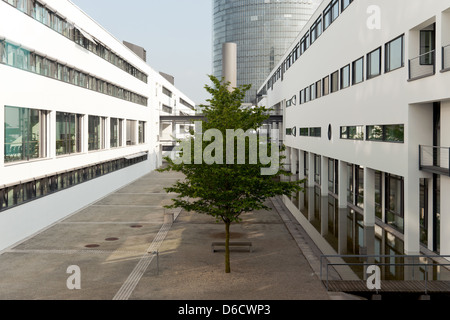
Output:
(446, 58)
(422, 66)
(435, 159)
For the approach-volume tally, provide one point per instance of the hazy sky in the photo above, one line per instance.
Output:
(177, 35)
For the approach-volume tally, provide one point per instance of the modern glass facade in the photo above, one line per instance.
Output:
(263, 31)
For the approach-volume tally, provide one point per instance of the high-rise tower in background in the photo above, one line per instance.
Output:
(262, 29)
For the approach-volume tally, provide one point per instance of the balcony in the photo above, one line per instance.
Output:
(435, 160)
(422, 66)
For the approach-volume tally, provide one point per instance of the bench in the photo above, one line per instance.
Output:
(232, 244)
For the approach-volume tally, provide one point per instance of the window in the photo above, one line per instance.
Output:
(116, 132)
(315, 132)
(395, 201)
(345, 77)
(2, 52)
(23, 59)
(331, 13)
(318, 89)
(68, 133)
(345, 4)
(378, 194)
(304, 132)
(427, 46)
(394, 56)
(374, 63)
(96, 129)
(317, 169)
(358, 71)
(316, 30)
(304, 43)
(141, 132)
(131, 132)
(312, 89)
(326, 86)
(307, 94)
(25, 134)
(167, 92)
(352, 133)
(302, 97)
(167, 109)
(386, 133)
(335, 81)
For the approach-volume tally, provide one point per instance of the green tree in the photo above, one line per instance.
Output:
(222, 188)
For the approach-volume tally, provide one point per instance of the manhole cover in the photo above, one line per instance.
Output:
(111, 239)
(92, 246)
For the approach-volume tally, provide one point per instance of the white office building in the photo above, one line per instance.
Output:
(79, 114)
(366, 100)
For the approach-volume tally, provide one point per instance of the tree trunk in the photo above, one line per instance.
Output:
(227, 247)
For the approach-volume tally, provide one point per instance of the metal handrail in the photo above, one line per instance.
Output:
(426, 73)
(426, 265)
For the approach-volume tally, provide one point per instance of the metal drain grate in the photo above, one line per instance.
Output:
(111, 239)
(92, 246)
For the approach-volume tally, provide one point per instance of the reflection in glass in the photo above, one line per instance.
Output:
(23, 134)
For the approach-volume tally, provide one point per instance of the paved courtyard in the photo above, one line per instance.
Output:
(114, 242)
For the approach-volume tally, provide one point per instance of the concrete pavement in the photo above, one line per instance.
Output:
(109, 242)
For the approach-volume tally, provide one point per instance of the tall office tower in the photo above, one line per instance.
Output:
(263, 30)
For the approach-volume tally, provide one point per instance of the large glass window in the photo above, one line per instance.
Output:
(394, 56)
(352, 132)
(25, 134)
(116, 132)
(374, 63)
(424, 211)
(358, 71)
(378, 194)
(131, 132)
(141, 132)
(68, 133)
(395, 201)
(96, 129)
(386, 133)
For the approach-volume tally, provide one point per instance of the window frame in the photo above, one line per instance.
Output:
(348, 77)
(369, 63)
(354, 70)
(387, 52)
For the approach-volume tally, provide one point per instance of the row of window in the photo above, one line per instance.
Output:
(15, 195)
(305, 132)
(391, 185)
(18, 57)
(328, 16)
(186, 104)
(384, 133)
(353, 73)
(26, 133)
(42, 13)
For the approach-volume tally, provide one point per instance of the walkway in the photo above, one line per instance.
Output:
(114, 241)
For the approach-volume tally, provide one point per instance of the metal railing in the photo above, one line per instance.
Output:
(422, 66)
(434, 158)
(414, 261)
